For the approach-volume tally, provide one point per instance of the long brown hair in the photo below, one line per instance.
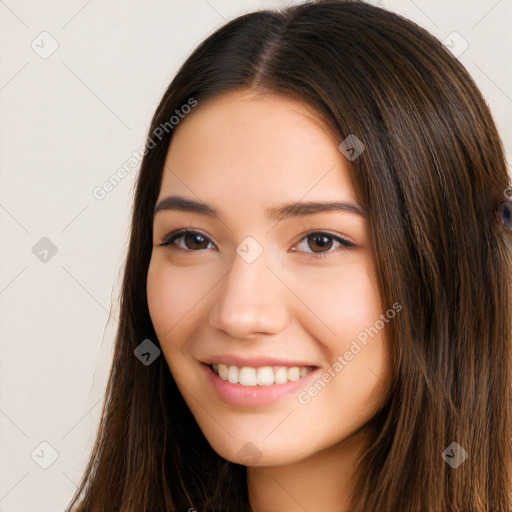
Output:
(431, 177)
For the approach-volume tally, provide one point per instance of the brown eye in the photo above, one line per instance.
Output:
(322, 244)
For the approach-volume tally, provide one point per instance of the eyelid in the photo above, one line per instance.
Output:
(174, 235)
(334, 236)
(345, 245)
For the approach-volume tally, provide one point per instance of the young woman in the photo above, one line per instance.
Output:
(316, 305)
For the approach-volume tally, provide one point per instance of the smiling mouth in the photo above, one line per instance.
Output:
(260, 376)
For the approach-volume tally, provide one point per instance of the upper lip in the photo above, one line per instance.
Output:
(254, 362)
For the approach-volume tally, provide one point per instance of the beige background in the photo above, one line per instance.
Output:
(69, 121)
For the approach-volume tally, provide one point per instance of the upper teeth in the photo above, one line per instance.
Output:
(262, 376)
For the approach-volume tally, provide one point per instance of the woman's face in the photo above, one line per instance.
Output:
(268, 286)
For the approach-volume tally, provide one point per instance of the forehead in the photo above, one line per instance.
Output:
(246, 144)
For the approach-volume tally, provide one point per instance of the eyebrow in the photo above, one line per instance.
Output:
(277, 213)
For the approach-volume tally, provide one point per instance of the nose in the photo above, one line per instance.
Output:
(251, 300)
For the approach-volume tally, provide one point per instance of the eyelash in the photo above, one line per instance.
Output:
(172, 237)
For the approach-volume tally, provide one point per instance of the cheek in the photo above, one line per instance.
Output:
(342, 303)
(171, 297)
(348, 329)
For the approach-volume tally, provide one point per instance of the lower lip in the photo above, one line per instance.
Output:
(248, 396)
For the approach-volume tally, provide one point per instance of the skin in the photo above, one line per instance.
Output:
(243, 153)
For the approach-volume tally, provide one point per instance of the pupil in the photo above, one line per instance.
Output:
(196, 239)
